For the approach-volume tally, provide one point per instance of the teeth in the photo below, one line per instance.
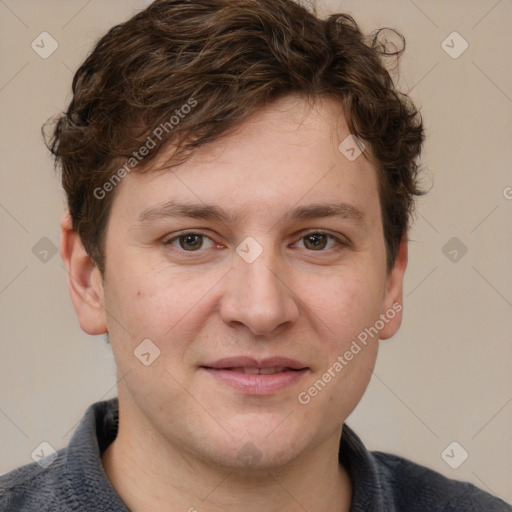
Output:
(269, 371)
(263, 371)
(259, 371)
(251, 371)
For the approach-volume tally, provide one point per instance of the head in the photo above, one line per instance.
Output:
(239, 106)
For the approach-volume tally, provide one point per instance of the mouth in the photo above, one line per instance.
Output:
(248, 370)
(256, 377)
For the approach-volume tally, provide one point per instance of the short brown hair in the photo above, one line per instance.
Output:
(226, 59)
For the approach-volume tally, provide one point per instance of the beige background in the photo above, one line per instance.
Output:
(444, 377)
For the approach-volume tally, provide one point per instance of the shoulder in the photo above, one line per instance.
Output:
(416, 487)
(71, 479)
(36, 487)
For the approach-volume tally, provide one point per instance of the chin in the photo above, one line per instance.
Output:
(259, 441)
(252, 459)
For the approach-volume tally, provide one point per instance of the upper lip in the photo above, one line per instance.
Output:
(251, 362)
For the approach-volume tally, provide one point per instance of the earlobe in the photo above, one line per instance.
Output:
(392, 310)
(84, 281)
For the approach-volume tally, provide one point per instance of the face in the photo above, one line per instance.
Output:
(254, 269)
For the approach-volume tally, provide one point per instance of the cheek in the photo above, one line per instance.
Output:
(345, 302)
(346, 315)
(161, 303)
(353, 311)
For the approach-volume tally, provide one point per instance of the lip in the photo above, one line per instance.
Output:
(256, 384)
(251, 362)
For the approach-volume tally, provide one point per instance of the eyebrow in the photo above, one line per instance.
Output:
(173, 209)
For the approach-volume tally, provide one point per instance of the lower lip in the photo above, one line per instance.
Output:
(257, 384)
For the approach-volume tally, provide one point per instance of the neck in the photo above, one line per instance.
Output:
(150, 474)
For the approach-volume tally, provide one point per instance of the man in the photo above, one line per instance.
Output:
(239, 177)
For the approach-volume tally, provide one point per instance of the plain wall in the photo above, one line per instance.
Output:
(444, 377)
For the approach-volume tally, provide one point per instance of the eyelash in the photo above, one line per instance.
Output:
(341, 244)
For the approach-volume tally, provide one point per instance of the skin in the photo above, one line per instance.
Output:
(180, 428)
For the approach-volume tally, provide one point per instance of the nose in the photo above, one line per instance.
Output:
(259, 295)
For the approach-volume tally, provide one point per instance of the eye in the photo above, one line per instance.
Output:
(319, 240)
(190, 242)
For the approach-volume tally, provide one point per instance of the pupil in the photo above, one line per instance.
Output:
(190, 240)
(194, 241)
(315, 240)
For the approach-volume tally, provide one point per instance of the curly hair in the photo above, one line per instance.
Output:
(224, 60)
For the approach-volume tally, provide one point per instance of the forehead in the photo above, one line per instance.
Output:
(284, 156)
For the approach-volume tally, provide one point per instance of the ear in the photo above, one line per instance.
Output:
(392, 304)
(84, 281)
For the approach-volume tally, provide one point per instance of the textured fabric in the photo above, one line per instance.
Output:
(76, 481)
